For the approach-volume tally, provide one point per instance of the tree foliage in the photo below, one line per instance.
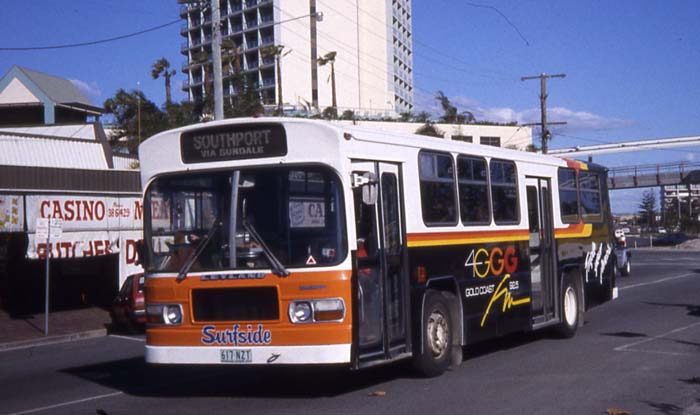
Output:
(430, 130)
(162, 67)
(450, 114)
(647, 209)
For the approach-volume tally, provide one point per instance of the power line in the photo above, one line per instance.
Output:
(90, 43)
(503, 16)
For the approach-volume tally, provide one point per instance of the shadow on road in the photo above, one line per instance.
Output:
(671, 409)
(135, 377)
(693, 310)
(625, 334)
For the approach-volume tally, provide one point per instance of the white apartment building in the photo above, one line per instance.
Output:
(372, 40)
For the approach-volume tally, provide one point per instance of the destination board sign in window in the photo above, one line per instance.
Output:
(233, 142)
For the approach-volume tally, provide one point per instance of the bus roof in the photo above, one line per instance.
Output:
(314, 141)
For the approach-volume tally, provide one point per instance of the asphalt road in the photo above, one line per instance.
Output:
(639, 354)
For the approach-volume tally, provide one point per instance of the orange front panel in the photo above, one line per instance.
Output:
(279, 332)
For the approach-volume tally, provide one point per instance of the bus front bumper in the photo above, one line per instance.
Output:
(290, 355)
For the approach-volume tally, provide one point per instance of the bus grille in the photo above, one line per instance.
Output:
(235, 304)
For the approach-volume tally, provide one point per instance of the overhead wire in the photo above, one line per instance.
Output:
(90, 43)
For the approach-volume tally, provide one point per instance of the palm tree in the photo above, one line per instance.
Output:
(276, 51)
(330, 58)
(162, 67)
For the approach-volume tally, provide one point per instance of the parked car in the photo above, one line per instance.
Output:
(623, 255)
(670, 239)
(129, 308)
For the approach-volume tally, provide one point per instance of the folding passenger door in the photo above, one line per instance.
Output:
(542, 249)
(382, 312)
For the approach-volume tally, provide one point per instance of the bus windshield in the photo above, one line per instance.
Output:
(284, 217)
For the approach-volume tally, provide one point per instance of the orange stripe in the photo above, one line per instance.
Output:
(463, 238)
(576, 230)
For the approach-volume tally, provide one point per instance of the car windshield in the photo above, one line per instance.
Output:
(284, 217)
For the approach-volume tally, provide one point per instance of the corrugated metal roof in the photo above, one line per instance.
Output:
(20, 150)
(124, 163)
(82, 131)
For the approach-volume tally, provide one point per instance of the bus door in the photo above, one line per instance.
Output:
(382, 312)
(542, 250)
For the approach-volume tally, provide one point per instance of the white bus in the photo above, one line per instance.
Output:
(292, 241)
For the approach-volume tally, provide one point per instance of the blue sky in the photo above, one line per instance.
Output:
(632, 66)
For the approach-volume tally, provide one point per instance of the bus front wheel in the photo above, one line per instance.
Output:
(433, 358)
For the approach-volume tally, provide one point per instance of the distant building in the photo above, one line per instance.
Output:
(515, 137)
(28, 97)
(372, 38)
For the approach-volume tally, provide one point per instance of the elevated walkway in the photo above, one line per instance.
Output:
(651, 175)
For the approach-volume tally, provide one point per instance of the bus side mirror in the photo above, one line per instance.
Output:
(368, 182)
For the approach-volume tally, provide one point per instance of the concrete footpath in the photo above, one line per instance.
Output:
(28, 330)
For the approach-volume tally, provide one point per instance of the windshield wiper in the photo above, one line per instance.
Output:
(197, 252)
(277, 267)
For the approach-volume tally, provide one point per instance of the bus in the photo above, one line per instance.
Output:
(300, 242)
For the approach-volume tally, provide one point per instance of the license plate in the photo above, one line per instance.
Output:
(236, 355)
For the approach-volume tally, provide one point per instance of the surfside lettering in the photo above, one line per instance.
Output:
(233, 142)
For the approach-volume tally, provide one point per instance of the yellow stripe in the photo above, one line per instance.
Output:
(467, 241)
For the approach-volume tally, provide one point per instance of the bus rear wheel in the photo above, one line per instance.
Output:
(569, 308)
(433, 358)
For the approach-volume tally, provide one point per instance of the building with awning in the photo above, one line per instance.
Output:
(54, 164)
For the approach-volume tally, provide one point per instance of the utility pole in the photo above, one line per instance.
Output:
(314, 54)
(546, 135)
(216, 60)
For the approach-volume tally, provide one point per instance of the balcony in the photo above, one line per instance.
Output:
(252, 44)
(268, 40)
(251, 24)
(185, 8)
(252, 66)
(268, 61)
(264, 20)
(250, 3)
(236, 28)
(268, 82)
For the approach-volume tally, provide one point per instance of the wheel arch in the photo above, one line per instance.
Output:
(449, 288)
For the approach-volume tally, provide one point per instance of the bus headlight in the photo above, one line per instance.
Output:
(300, 312)
(325, 309)
(164, 314)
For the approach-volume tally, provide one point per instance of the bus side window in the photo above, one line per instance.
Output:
(589, 183)
(437, 189)
(568, 196)
(504, 192)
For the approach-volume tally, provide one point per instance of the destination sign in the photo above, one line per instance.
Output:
(233, 142)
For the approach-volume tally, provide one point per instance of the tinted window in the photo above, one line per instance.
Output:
(392, 221)
(504, 191)
(590, 196)
(473, 190)
(437, 189)
(568, 196)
